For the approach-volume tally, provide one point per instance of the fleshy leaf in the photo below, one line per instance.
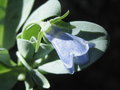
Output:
(31, 30)
(57, 19)
(26, 49)
(26, 9)
(43, 50)
(8, 80)
(55, 67)
(40, 79)
(4, 57)
(29, 82)
(4, 69)
(64, 25)
(14, 13)
(3, 6)
(40, 35)
(27, 86)
(49, 9)
(95, 34)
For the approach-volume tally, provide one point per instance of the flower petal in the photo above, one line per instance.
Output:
(71, 49)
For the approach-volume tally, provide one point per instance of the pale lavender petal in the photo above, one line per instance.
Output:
(71, 49)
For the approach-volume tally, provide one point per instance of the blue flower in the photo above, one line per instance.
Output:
(71, 49)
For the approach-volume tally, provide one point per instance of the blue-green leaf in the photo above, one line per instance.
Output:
(40, 35)
(57, 19)
(49, 9)
(95, 34)
(63, 25)
(26, 9)
(43, 51)
(26, 49)
(55, 67)
(29, 84)
(40, 79)
(12, 16)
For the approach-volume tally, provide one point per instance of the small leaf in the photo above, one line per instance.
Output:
(31, 30)
(40, 79)
(44, 12)
(29, 84)
(55, 67)
(26, 49)
(64, 25)
(43, 50)
(40, 35)
(57, 19)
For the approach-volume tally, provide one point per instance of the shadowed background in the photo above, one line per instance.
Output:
(103, 74)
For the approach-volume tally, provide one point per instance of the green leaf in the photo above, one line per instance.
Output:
(49, 9)
(64, 25)
(94, 34)
(4, 57)
(30, 30)
(40, 35)
(14, 13)
(44, 49)
(57, 19)
(26, 49)
(40, 79)
(55, 67)
(4, 69)
(3, 6)
(26, 9)
(29, 84)
(8, 80)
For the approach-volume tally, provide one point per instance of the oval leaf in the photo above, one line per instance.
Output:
(40, 79)
(49, 9)
(93, 33)
(26, 49)
(12, 16)
(55, 67)
(4, 57)
(8, 80)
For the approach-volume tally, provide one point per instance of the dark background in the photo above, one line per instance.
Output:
(103, 74)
